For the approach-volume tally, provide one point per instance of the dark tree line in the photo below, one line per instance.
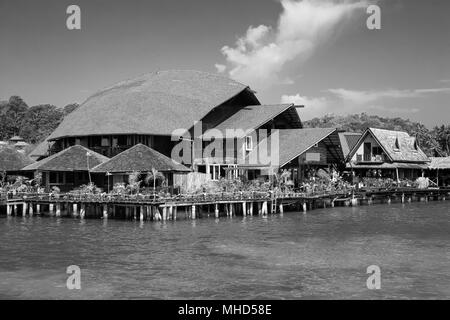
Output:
(434, 142)
(34, 123)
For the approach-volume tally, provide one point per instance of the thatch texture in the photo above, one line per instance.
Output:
(74, 158)
(12, 160)
(439, 163)
(155, 103)
(389, 139)
(253, 117)
(348, 141)
(140, 158)
(294, 142)
(41, 150)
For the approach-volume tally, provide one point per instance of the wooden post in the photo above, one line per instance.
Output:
(164, 215)
(244, 209)
(8, 209)
(193, 211)
(38, 209)
(31, 209)
(304, 207)
(24, 209)
(226, 209)
(134, 212)
(58, 209)
(105, 211)
(82, 211)
(175, 211)
(389, 200)
(264, 208)
(403, 198)
(259, 208)
(51, 208)
(170, 212)
(216, 210)
(251, 209)
(149, 213)
(281, 208)
(75, 209)
(15, 209)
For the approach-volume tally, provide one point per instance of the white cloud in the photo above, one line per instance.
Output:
(313, 106)
(364, 97)
(220, 67)
(259, 57)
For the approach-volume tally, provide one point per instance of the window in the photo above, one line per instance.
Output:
(397, 144)
(377, 150)
(248, 143)
(215, 171)
(105, 141)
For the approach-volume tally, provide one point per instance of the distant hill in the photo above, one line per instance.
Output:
(433, 142)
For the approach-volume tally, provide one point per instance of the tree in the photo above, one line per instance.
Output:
(154, 175)
(11, 115)
(39, 122)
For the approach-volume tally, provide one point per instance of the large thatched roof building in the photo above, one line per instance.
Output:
(12, 160)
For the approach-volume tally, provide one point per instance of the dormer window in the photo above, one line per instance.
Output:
(248, 143)
(416, 145)
(396, 144)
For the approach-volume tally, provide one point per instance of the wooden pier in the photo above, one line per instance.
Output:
(142, 208)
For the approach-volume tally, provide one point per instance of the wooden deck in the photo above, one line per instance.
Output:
(221, 204)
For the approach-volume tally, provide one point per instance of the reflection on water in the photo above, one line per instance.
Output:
(321, 254)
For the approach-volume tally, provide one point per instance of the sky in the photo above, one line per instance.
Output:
(318, 53)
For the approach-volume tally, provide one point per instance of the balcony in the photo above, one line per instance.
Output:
(370, 158)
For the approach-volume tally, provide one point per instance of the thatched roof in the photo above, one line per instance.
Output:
(348, 141)
(439, 163)
(399, 146)
(252, 117)
(294, 142)
(74, 158)
(41, 150)
(140, 158)
(156, 103)
(12, 160)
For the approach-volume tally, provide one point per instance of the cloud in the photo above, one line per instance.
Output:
(313, 106)
(220, 67)
(364, 97)
(260, 56)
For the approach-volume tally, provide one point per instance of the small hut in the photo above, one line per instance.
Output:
(68, 169)
(12, 161)
(387, 153)
(439, 168)
(143, 159)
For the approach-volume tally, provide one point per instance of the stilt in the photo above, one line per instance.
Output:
(58, 209)
(304, 207)
(31, 209)
(259, 208)
(264, 208)
(231, 209)
(170, 212)
(134, 212)
(281, 208)
(164, 215)
(226, 209)
(51, 208)
(82, 211)
(24, 209)
(250, 209)
(105, 211)
(75, 209)
(193, 212)
(354, 201)
(403, 198)
(332, 203)
(38, 209)
(8, 210)
(389, 200)
(15, 209)
(244, 209)
(157, 214)
(216, 210)
(175, 211)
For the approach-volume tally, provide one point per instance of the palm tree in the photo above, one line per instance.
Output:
(154, 175)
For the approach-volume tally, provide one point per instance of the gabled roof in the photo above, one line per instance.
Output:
(388, 139)
(42, 149)
(12, 160)
(156, 103)
(74, 158)
(439, 163)
(348, 141)
(139, 158)
(253, 117)
(294, 142)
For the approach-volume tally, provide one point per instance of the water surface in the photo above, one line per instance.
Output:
(319, 255)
